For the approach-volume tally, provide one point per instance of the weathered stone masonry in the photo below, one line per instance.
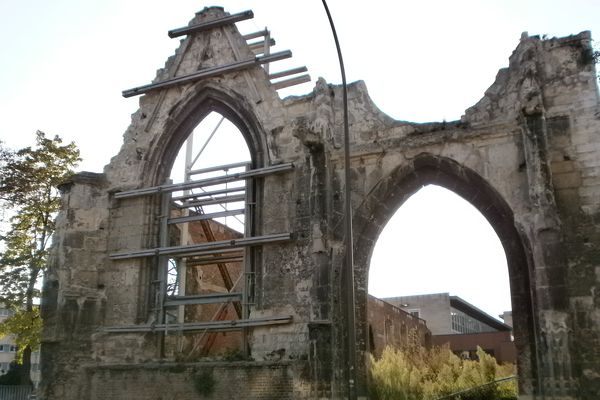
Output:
(527, 156)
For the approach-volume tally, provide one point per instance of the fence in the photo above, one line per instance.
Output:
(15, 392)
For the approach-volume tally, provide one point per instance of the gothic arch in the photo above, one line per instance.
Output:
(187, 114)
(405, 180)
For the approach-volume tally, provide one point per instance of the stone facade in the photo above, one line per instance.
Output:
(527, 156)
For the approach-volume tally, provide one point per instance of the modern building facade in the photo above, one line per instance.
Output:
(448, 315)
(461, 325)
(8, 352)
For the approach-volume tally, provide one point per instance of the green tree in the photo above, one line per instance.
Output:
(30, 199)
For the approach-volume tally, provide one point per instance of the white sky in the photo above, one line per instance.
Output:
(65, 62)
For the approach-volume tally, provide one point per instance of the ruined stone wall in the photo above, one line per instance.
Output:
(526, 156)
(390, 326)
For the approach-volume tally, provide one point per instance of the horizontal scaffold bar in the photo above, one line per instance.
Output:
(215, 200)
(225, 167)
(192, 262)
(253, 173)
(261, 44)
(197, 249)
(220, 326)
(291, 82)
(203, 217)
(287, 72)
(254, 35)
(203, 299)
(209, 193)
(215, 23)
(208, 73)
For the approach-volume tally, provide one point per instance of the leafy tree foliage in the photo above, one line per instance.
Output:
(29, 199)
(27, 328)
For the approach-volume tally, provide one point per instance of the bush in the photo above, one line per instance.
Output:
(417, 373)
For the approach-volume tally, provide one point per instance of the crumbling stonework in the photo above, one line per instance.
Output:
(527, 156)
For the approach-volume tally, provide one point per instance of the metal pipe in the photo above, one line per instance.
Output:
(192, 262)
(198, 248)
(261, 44)
(205, 253)
(209, 194)
(351, 329)
(224, 167)
(203, 217)
(291, 82)
(208, 73)
(215, 200)
(221, 326)
(288, 72)
(253, 173)
(215, 23)
(191, 164)
(255, 35)
(203, 299)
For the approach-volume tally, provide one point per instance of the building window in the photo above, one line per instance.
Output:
(462, 323)
(415, 312)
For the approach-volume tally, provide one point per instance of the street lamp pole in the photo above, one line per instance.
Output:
(349, 282)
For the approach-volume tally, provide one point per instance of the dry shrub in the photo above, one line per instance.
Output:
(418, 373)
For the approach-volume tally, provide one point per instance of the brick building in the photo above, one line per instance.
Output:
(391, 326)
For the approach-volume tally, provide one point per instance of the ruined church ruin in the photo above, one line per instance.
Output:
(148, 296)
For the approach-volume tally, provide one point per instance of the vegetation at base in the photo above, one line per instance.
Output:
(204, 382)
(29, 199)
(13, 376)
(418, 373)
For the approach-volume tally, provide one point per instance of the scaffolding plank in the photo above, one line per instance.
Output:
(197, 249)
(204, 299)
(215, 23)
(221, 326)
(208, 73)
(253, 173)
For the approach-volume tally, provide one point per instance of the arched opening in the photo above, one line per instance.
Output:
(392, 192)
(209, 287)
(440, 264)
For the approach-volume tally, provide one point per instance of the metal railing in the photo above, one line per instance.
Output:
(465, 391)
(10, 392)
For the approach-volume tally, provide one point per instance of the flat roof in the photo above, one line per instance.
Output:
(472, 311)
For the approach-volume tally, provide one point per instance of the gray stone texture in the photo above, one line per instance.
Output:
(527, 156)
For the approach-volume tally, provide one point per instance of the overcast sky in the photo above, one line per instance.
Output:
(65, 62)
